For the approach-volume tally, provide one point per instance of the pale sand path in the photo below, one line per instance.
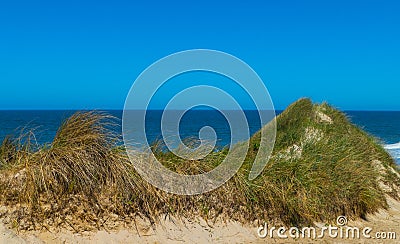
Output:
(177, 231)
(8, 236)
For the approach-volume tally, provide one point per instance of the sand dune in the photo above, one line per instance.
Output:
(173, 230)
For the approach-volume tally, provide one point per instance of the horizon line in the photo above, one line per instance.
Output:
(159, 109)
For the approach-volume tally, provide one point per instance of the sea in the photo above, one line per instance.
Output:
(384, 125)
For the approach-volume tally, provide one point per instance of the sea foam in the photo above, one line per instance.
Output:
(394, 150)
(392, 146)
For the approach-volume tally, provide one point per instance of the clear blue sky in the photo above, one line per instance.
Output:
(84, 55)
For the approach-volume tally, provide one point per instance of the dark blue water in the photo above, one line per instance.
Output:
(383, 125)
(193, 120)
(45, 123)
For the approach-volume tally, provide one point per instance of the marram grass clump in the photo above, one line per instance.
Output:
(322, 166)
(76, 172)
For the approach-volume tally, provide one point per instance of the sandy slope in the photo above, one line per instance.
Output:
(179, 231)
(8, 236)
(168, 231)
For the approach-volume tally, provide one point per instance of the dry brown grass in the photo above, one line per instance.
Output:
(82, 163)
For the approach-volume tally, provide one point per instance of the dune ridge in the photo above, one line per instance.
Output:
(322, 166)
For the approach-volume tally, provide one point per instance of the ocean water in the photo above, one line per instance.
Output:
(383, 125)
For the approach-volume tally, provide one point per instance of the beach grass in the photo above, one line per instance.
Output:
(322, 166)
